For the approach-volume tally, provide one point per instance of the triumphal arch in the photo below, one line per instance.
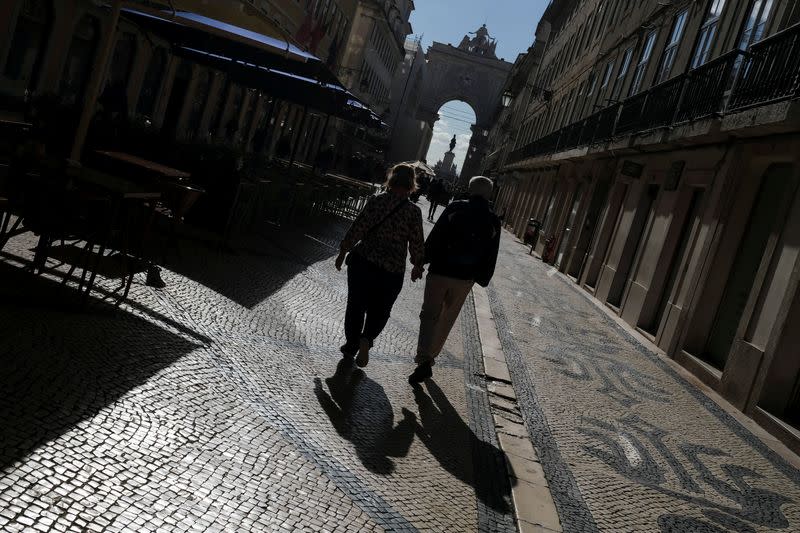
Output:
(470, 72)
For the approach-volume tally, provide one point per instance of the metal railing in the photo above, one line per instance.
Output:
(631, 114)
(606, 123)
(704, 92)
(768, 72)
(662, 104)
(589, 129)
(571, 136)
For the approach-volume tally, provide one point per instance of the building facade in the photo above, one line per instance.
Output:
(657, 145)
(410, 135)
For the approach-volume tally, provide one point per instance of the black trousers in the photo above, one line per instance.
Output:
(432, 209)
(371, 293)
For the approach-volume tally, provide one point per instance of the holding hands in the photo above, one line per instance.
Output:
(417, 272)
(340, 260)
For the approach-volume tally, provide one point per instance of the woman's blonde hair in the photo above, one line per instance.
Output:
(402, 176)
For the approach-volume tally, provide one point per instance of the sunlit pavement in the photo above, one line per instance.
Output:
(219, 404)
(216, 404)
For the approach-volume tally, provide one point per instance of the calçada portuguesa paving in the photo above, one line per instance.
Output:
(216, 404)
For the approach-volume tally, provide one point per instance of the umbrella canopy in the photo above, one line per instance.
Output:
(255, 60)
(421, 166)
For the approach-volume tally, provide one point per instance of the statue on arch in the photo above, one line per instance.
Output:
(482, 44)
(481, 36)
(452, 143)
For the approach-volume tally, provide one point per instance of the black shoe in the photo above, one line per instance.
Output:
(362, 359)
(349, 352)
(154, 277)
(420, 374)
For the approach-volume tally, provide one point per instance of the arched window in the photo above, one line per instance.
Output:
(152, 82)
(29, 42)
(79, 60)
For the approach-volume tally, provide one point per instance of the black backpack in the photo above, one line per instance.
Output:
(472, 234)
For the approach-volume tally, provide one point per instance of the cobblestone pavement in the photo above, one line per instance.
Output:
(217, 404)
(626, 443)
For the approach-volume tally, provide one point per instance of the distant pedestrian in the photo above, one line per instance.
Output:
(375, 248)
(462, 250)
(435, 192)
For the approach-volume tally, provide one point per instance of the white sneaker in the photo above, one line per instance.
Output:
(362, 359)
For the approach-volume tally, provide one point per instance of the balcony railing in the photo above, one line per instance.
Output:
(704, 93)
(571, 136)
(768, 72)
(662, 103)
(631, 114)
(606, 123)
(589, 129)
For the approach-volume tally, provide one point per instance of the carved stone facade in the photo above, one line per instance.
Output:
(470, 73)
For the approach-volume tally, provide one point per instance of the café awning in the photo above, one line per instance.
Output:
(257, 61)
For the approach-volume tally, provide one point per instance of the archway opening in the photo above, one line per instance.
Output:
(456, 118)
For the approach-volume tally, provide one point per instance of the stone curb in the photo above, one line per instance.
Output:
(534, 508)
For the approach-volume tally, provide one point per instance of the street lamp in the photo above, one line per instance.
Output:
(507, 97)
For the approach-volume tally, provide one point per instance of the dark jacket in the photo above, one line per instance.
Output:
(464, 242)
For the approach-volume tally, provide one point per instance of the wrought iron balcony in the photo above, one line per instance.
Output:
(768, 72)
(606, 123)
(631, 113)
(571, 136)
(662, 103)
(704, 93)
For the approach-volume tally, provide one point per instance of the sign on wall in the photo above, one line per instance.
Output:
(631, 169)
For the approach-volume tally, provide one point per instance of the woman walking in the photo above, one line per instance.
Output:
(376, 247)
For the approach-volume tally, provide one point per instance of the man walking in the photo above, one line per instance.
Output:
(435, 192)
(462, 250)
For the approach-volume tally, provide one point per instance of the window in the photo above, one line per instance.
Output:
(580, 102)
(708, 32)
(587, 37)
(28, 43)
(599, 20)
(152, 82)
(592, 84)
(641, 67)
(607, 74)
(755, 23)
(612, 11)
(79, 59)
(624, 65)
(671, 49)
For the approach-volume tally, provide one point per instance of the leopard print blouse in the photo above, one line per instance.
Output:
(385, 246)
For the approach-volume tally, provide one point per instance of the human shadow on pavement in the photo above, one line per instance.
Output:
(479, 464)
(59, 367)
(361, 413)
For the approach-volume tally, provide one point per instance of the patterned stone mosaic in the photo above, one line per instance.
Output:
(626, 443)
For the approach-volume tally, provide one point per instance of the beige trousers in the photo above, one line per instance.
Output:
(443, 300)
